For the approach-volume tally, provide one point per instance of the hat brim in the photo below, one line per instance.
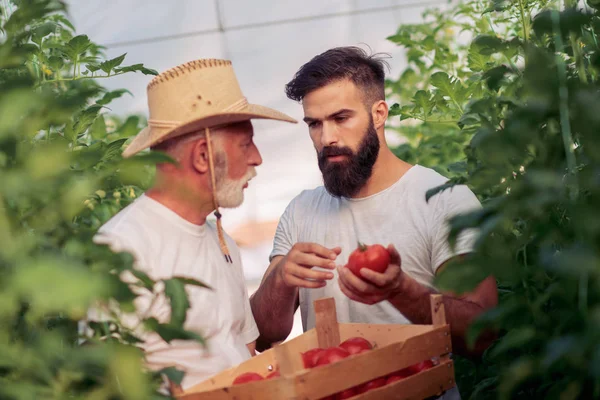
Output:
(151, 136)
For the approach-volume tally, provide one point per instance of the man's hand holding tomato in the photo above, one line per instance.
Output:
(371, 286)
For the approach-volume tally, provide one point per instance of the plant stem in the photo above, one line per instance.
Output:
(83, 77)
(583, 292)
(524, 20)
(442, 121)
(578, 59)
(563, 94)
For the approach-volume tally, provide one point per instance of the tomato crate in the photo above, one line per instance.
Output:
(395, 347)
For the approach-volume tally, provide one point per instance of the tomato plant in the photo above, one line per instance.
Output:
(61, 177)
(503, 96)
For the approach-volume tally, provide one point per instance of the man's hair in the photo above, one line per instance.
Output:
(353, 63)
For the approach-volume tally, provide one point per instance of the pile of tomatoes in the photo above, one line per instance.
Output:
(318, 357)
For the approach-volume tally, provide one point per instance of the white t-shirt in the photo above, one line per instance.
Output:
(398, 215)
(165, 245)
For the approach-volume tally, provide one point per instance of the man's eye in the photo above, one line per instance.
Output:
(313, 124)
(341, 118)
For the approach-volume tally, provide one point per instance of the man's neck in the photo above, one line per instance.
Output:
(190, 209)
(388, 169)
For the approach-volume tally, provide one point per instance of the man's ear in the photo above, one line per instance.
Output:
(200, 156)
(379, 111)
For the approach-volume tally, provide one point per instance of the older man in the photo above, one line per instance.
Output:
(198, 116)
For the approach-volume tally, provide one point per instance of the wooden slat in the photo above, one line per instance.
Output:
(326, 324)
(432, 382)
(288, 359)
(438, 316)
(273, 389)
(438, 312)
(382, 334)
(329, 379)
(263, 363)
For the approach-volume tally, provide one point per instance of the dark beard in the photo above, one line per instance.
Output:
(346, 178)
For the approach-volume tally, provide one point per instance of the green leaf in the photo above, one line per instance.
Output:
(113, 149)
(42, 31)
(130, 127)
(394, 110)
(477, 61)
(173, 374)
(85, 119)
(560, 348)
(423, 103)
(495, 76)
(65, 23)
(487, 44)
(571, 21)
(110, 96)
(56, 63)
(98, 128)
(448, 185)
(175, 291)
(193, 282)
(144, 278)
(78, 45)
(40, 281)
(169, 332)
(135, 68)
(153, 157)
(92, 67)
(514, 340)
(109, 65)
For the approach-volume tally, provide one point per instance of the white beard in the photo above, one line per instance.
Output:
(230, 193)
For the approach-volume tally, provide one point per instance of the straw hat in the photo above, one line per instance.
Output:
(193, 96)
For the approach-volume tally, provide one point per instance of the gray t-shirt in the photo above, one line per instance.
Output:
(398, 215)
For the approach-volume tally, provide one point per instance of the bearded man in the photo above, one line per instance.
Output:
(369, 196)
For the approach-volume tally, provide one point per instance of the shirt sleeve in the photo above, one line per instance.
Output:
(285, 236)
(457, 200)
(144, 303)
(248, 330)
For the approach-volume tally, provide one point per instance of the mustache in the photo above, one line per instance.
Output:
(331, 151)
(249, 175)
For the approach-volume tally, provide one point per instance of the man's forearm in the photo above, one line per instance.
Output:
(273, 306)
(413, 301)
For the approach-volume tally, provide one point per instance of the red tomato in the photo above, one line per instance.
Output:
(247, 377)
(375, 257)
(422, 366)
(398, 375)
(331, 355)
(274, 374)
(346, 394)
(374, 384)
(310, 357)
(356, 345)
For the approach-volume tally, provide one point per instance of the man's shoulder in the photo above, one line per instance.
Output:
(127, 230)
(311, 198)
(425, 178)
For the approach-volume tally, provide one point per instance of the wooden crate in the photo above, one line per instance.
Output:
(396, 347)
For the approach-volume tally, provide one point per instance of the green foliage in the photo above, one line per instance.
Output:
(61, 178)
(504, 96)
